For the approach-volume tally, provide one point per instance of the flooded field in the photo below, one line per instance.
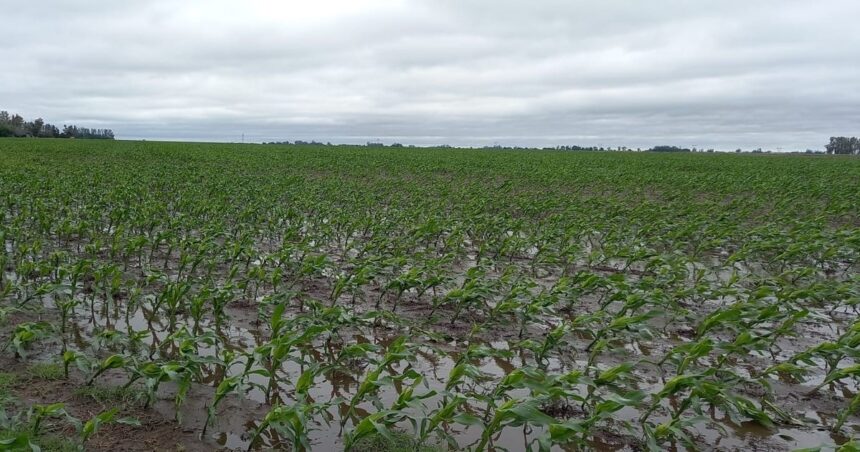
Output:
(288, 297)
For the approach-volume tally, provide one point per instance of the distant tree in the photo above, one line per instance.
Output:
(843, 146)
(69, 132)
(36, 127)
(669, 149)
(16, 126)
(17, 123)
(50, 131)
(6, 129)
(308, 143)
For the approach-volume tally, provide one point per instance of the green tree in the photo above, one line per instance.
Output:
(843, 146)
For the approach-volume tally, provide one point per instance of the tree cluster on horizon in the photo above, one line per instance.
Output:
(843, 146)
(14, 125)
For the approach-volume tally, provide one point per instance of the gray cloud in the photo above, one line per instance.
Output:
(715, 74)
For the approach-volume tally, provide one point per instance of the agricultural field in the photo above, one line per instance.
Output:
(163, 296)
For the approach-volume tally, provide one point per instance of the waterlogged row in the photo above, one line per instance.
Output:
(349, 376)
(469, 299)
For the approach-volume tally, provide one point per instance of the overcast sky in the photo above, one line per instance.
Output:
(725, 74)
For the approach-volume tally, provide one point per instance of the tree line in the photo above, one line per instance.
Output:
(843, 146)
(14, 125)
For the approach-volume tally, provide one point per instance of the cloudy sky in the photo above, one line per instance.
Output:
(725, 74)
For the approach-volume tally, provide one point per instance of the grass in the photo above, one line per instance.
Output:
(399, 442)
(45, 371)
(6, 382)
(110, 394)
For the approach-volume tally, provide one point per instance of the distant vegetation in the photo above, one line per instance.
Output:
(843, 146)
(378, 144)
(299, 142)
(14, 125)
(668, 149)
